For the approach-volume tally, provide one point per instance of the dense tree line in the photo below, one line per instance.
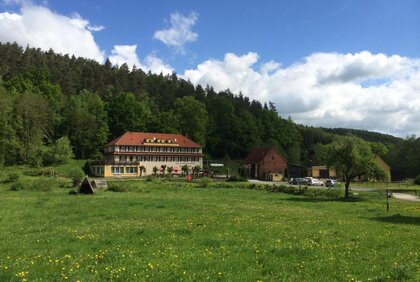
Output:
(46, 96)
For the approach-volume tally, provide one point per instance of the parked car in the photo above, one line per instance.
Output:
(298, 181)
(330, 182)
(314, 182)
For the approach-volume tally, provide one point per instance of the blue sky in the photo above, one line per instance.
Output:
(327, 63)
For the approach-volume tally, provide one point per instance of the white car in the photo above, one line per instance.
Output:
(314, 182)
(330, 182)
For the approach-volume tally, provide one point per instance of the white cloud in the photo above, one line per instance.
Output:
(127, 54)
(40, 27)
(156, 65)
(361, 90)
(124, 54)
(179, 33)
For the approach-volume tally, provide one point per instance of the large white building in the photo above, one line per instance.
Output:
(125, 155)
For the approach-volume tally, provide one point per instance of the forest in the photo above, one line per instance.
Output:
(50, 101)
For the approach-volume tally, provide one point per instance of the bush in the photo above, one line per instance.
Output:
(236, 178)
(327, 193)
(204, 182)
(59, 152)
(417, 180)
(12, 177)
(17, 186)
(76, 175)
(117, 187)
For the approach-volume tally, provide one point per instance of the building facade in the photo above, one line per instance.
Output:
(266, 164)
(137, 153)
(323, 171)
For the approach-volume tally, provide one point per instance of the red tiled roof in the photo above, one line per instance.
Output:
(137, 139)
(257, 155)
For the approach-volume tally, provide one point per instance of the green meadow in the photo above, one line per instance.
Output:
(173, 231)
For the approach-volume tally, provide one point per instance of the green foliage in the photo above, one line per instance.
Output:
(12, 177)
(405, 156)
(378, 149)
(170, 169)
(155, 170)
(417, 180)
(35, 185)
(163, 169)
(236, 178)
(85, 122)
(352, 157)
(117, 187)
(185, 169)
(60, 152)
(196, 170)
(76, 175)
(40, 185)
(126, 113)
(17, 186)
(142, 169)
(204, 182)
(193, 118)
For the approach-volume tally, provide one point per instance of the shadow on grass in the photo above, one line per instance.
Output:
(316, 200)
(397, 218)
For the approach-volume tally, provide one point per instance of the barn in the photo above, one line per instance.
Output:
(266, 164)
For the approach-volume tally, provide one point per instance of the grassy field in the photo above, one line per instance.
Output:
(160, 231)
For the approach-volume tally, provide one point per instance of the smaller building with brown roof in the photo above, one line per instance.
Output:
(266, 164)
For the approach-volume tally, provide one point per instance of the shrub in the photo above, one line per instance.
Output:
(17, 186)
(117, 187)
(76, 175)
(204, 182)
(12, 177)
(327, 193)
(417, 180)
(236, 178)
(59, 152)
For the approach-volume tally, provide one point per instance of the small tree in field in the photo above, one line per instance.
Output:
(352, 157)
(155, 170)
(196, 170)
(185, 169)
(170, 169)
(163, 168)
(76, 175)
(142, 170)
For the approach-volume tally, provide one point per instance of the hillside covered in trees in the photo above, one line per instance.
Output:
(45, 97)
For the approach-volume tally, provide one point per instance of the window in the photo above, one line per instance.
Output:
(169, 159)
(131, 170)
(117, 169)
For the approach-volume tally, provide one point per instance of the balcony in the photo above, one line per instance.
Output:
(114, 163)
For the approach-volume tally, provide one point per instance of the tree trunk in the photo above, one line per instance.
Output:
(346, 189)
